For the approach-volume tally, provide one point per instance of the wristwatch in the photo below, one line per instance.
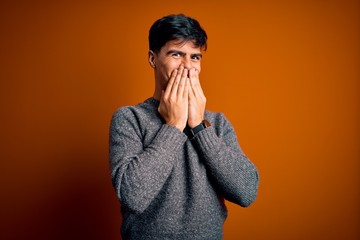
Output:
(193, 131)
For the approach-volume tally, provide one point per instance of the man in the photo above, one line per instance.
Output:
(172, 162)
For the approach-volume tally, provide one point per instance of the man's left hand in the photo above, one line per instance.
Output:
(197, 100)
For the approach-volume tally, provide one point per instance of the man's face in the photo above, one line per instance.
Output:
(174, 54)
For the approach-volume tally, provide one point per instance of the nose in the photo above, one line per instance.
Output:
(187, 62)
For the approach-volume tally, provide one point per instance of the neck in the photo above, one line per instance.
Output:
(157, 94)
(159, 88)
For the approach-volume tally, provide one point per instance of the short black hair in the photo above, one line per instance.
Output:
(176, 26)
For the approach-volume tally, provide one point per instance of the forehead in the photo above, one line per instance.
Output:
(181, 45)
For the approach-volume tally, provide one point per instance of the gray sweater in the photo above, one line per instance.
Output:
(171, 187)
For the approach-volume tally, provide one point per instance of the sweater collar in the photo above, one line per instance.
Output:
(152, 102)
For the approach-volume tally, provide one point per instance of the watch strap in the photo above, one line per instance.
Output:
(193, 131)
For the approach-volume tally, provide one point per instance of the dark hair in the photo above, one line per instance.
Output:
(173, 27)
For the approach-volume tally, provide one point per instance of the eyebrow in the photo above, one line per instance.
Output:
(182, 53)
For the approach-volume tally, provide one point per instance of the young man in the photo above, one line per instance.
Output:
(172, 162)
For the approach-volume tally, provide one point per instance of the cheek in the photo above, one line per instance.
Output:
(167, 63)
(198, 68)
(164, 70)
(171, 67)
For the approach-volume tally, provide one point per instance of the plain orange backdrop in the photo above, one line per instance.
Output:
(286, 74)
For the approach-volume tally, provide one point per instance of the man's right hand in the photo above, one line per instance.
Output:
(174, 100)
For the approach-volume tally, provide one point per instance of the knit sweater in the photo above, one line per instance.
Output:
(171, 187)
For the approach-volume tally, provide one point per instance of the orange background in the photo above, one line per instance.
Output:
(285, 73)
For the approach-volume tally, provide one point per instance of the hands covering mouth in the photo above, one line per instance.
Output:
(183, 101)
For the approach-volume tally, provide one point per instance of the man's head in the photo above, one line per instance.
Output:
(174, 41)
(176, 27)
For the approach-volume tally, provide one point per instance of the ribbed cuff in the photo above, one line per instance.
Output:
(207, 141)
(170, 138)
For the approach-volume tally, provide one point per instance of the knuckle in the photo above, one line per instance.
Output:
(172, 99)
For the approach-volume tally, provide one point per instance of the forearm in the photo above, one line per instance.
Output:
(235, 176)
(138, 175)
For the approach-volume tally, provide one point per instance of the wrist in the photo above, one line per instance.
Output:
(198, 128)
(194, 123)
(178, 126)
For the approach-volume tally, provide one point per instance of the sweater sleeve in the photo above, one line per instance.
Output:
(234, 175)
(139, 172)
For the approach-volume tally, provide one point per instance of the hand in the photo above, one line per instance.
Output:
(174, 100)
(197, 100)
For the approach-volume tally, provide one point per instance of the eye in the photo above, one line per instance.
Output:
(196, 57)
(176, 54)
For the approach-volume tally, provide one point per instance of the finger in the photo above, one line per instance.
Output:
(182, 82)
(186, 89)
(190, 79)
(194, 73)
(161, 100)
(195, 83)
(177, 79)
(170, 83)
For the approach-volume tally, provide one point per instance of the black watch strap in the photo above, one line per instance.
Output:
(193, 131)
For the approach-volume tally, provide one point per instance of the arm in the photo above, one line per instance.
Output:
(234, 175)
(138, 172)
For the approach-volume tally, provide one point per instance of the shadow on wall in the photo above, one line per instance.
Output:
(81, 204)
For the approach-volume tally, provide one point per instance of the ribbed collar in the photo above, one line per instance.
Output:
(152, 102)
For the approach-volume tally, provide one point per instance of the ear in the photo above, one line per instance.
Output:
(151, 58)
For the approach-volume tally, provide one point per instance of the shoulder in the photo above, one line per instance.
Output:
(219, 121)
(129, 112)
(216, 118)
(122, 119)
(125, 112)
(139, 116)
